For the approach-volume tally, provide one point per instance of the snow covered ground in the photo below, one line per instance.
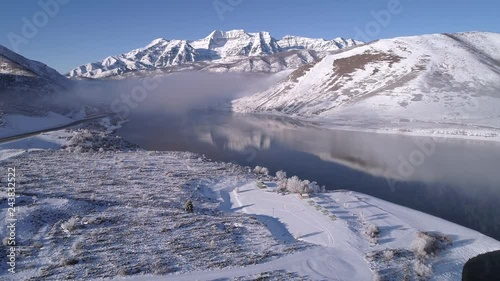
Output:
(89, 215)
(339, 224)
(15, 124)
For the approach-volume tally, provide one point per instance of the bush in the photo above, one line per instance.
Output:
(372, 231)
(426, 243)
(68, 261)
(388, 255)
(264, 171)
(261, 170)
(77, 246)
(313, 187)
(294, 185)
(421, 269)
(282, 185)
(189, 207)
(281, 175)
(70, 225)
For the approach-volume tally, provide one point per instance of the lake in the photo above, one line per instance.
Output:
(458, 180)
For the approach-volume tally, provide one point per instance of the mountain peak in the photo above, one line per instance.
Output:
(157, 41)
(215, 34)
(228, 45)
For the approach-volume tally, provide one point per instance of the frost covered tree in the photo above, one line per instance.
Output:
(294, 184)
(257, 169)
(264, 171)
(282, 185)
(281, 175)
(282, 180)
(314, 187)
(261, 170)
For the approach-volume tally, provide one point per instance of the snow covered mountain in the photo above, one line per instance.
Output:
(234, 50)
(25, 83)
(20, 73)
(297, 42)
(443, 78)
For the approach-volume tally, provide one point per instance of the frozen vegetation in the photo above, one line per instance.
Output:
(102, 214)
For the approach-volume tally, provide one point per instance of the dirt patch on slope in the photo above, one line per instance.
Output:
(346, 66)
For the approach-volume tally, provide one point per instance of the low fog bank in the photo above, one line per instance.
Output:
(175, 93)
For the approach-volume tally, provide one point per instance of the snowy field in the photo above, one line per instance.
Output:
(89, 215)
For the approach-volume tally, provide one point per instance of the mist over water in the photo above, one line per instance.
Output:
(175, 93)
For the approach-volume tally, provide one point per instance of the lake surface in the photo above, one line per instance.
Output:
(458, 180)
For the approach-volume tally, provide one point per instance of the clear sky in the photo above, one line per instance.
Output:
(75, 32)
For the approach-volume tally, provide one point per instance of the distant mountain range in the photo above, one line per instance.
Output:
(220, 51)
(439, 78)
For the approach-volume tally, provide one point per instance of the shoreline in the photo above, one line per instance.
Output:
(329, 124)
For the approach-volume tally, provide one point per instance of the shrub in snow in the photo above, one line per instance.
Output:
(70, 225)
(37, 245)
(305, 187)
(261, 170)
(189, 207)
(77, 246)
(426, 243)
(421, 269)
(388, 255)
(313, 187)
(281, 175)
(122, 272)
(372, 231)
(264, 171)
(68, 261)
(257, 169)
(294, 184)
(282, 185)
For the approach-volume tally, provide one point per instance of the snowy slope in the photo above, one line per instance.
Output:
(234, 50)
(450, 79)
(13, 63)
(21, 75)
(298, 42)
(28, 90)
(238, 43)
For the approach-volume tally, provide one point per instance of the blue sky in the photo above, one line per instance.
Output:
(83, 31)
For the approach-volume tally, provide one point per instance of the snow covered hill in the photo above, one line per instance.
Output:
(28, 91)
(234, 50)
(437, 80)
(19, 75)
